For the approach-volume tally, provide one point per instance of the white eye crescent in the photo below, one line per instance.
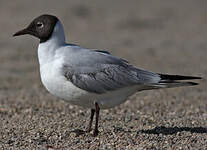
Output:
(40, 24)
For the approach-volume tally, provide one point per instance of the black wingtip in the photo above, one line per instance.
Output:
(178, 77)
(192, 83)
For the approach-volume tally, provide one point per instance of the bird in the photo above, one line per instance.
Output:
(90, 78)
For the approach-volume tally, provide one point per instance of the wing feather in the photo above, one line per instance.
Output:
(98, 71)
(109, 78)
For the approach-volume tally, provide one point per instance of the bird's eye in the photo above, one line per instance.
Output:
(40, 24)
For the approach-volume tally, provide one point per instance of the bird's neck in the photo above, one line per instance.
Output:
(47, 49)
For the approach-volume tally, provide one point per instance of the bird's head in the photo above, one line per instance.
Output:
(41, 27)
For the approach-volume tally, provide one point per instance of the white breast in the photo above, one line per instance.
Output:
(57, 84)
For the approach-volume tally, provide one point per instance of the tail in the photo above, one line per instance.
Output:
(170, 81)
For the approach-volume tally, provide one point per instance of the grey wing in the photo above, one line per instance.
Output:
(109, 78)
(99, 72)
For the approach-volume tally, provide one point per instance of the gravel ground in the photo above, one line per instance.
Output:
(162, 36)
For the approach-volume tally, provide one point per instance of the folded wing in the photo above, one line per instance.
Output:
(100, 72)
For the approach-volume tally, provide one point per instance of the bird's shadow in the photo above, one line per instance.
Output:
(157, 130)
(173, 130)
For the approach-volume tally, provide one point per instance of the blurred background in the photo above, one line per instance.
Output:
(162, 36)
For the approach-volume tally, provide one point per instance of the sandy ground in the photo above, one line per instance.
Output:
(163, 36)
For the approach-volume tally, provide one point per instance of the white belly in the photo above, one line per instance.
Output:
(59, 86)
